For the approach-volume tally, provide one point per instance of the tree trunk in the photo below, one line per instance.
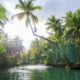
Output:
(69, 63)
(39, 35)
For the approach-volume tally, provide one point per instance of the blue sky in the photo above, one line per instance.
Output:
(49, 7)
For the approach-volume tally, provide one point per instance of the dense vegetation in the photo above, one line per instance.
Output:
(61, 46)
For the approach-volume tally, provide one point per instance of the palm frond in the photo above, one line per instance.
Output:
(48, 23)
(17, 6)
(1, 23)
(53, 37)
(69, 14)
(70, 33)
(21, 3)
(20, 16)
(20, 7)
(3, 17)
(51, 19)
(48, 28)
(27, 22)
(28, 5)
(35, 19)
(2, 9)
(36, 8)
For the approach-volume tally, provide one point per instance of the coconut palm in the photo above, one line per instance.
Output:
(57, 33)
(27, 8)
(18, 45)
(56, 28)
(51, 23)
(72, 24)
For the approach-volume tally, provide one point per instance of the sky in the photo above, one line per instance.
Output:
(49, 7)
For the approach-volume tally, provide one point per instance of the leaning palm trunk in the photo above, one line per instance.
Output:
(44, 37)
(39, 35)
(30, 24)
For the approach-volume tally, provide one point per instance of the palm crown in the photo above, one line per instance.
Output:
(27, 8)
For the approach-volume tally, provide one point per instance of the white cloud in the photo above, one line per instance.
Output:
(9, 7)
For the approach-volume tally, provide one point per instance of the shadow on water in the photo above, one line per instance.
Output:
(38, 72)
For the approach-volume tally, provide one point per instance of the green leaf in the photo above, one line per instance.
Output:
(36, 8)
(70, 33)
(27, 22)
(19, 15)
(34, 18)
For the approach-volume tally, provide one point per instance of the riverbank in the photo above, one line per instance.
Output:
(65, 65)
(38, 72)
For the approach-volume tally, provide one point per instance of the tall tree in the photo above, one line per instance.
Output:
(56, 34)
(72, 26)
(27, 8)
(55, 27)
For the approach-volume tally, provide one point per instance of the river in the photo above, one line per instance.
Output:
(38, 72)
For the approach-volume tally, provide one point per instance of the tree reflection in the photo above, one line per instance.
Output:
(49, 73)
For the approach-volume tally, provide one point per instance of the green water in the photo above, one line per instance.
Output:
(38, 72)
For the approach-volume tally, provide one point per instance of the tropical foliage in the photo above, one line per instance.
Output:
(61, 46)
(3, 17)
(10, 51)
(65, 33)
(27, 8)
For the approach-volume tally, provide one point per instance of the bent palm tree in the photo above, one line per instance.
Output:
(28, 8)
(72, 24)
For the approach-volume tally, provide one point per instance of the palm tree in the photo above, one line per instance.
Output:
(55, 26)
(72, 26)
(3, 17)
(28, 8)
(56, 35)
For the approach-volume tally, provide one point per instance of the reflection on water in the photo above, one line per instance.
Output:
(38, 72)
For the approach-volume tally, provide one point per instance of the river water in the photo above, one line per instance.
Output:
(38, 72)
